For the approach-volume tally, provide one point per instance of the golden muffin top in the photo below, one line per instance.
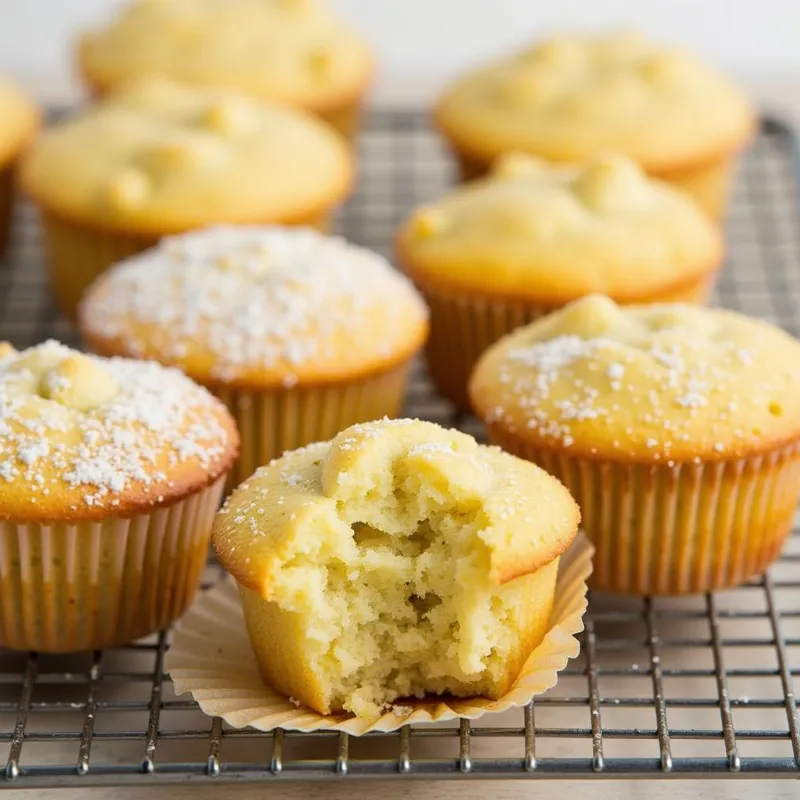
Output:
(659, 383)
(19, 119)
(158, 157)
(86, 438)
(293, 51)
(390, 477)
(553, 233)
(573, 96)
(253, 306)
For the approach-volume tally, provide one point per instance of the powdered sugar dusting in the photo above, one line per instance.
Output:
(255, 297)
(650, 378)
(156, 420)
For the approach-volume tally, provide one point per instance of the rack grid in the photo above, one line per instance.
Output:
(702, 686)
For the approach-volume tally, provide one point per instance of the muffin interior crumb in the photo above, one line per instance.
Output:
(398, 587)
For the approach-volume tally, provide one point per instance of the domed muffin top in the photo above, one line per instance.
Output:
(573, 96)
(661, 383)
(554, 233)
(84, 438)
(159, 157)
(257, 307)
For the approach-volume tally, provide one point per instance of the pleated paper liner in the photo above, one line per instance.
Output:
(211, 659)
(76, 586)
(679, 529)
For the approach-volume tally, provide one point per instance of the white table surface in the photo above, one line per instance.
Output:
(779, 96)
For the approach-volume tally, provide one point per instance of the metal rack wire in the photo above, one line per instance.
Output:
(688, 687)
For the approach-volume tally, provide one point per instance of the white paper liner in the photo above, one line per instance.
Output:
(211, 658)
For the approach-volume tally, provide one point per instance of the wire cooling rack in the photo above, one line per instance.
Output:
(691, 687)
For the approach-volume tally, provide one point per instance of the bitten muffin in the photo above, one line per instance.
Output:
(300, 334)
(571, 97)
(160, 158)
(111, 472)
(398, 560)
(531, 237)
(291, 51)
(676, 428)
(19, 121)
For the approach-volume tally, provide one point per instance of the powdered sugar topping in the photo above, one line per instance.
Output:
(101, 427)
(659, 379)
(255, 297)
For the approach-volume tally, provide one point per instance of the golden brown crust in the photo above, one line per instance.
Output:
(21, 120)
(539, 294)
(569, 97)
(548, 234)
(157, 157)
(280, 307)
(85, 439)
(315, 62)
(665, 384)
(530, 517)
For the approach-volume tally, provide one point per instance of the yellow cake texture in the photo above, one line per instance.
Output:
(531, 236)
(677, 429)
(110, 474)
(572, 96)
(397, 560)
(290, 51)
(160, 158)
(19, 120)
(300, 334)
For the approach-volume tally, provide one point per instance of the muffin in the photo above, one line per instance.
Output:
(20, 119)
(572, 97)
(398, 560)
(531, 237)
(290, 51)
(676, 428)
(300, 334)
(159, 158)
(112, 471)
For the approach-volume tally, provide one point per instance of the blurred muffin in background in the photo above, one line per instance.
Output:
(19, 120)
(676, 428)
(532, 236)
(160, 158)
(300, 334)
(573, 96)
(290, 51)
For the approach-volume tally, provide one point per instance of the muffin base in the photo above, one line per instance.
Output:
(272, 422)
(68, 587)
(661, 530)
(710, 184)
(77, 254)
(463, 326)
(6, 205)
(225, 681)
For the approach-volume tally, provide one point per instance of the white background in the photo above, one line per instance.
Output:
(422, 42)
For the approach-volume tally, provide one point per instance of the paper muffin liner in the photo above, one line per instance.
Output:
(272, 422)
(463, 326)
(225, 682)
(77, 254)
(679, 529)
(67, 587)
(710, 184)
(6, 205)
